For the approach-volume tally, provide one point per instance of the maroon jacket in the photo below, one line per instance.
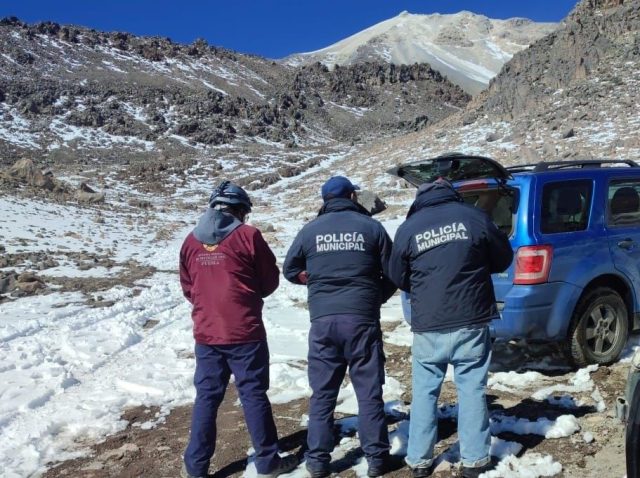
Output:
(226, 283)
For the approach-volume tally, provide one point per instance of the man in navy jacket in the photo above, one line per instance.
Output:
(444, 255)
(342, 256)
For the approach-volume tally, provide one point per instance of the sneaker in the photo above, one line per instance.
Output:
(321, 472)
(185, 474)
(287, 463)
(422, 471)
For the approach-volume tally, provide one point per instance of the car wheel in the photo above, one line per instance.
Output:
(599, 328)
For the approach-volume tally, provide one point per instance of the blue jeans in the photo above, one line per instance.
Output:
(468, 349)
(249, 364)
(338, 342)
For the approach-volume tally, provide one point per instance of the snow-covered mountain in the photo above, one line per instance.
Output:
(469, 49)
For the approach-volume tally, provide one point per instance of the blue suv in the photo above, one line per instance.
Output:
(575, 231)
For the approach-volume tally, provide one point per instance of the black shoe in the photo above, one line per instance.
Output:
(377, 470)
(422, 471)
(185, 474)
(287, 463)
(385, 465)
(321, 472)
(468, 472)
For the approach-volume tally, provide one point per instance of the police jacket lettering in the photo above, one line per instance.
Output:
(346, 255)
(444, 255)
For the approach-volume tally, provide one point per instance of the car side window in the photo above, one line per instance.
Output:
(566, 206)
(623, 203)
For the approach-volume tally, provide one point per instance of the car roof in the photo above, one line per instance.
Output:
(591, 165)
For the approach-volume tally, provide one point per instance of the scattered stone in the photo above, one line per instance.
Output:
(8, 281)
(151, 323)
(267, 227)
(89, 198)
(28, 277)
(491, 137)
(30, 287)
(568, 133)
(371, 202)
(84, 187)
(140, 203)
(469, 118)
(443, 467)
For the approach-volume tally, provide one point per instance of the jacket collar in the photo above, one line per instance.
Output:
(342, 204)
(433, 194)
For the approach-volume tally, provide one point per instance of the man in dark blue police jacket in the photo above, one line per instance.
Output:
(444, 255)
(342, 256)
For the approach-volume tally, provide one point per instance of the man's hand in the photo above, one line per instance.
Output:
(303, 277)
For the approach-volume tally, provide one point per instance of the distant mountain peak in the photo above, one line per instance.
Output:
(467, 47)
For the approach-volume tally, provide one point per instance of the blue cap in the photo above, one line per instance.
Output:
(338, 187)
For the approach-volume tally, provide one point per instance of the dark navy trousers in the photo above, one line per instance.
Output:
(249, 364)
(338, 342)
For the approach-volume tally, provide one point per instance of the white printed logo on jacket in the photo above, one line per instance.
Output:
(343, 241)
(456, 231)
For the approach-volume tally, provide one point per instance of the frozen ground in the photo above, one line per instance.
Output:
(69, 370)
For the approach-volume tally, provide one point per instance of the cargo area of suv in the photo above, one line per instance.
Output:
(575, 277)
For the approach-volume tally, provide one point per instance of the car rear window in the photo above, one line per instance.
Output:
(453, 169)
(624, 203)
(566, 206)
(499, 203)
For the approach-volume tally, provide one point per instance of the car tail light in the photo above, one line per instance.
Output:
(533, 264)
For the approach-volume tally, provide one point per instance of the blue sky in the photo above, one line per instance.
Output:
(271, 28)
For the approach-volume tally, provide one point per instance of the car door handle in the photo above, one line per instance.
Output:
(626, 244)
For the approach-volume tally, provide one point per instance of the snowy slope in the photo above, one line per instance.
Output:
(69, 370)
(469, 49)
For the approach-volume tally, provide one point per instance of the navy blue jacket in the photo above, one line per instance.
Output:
(444, 255)
(346, 256)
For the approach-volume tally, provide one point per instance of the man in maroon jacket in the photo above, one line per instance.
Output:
(226, 269)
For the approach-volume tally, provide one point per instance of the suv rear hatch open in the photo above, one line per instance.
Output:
(481, 181)
(454, 167)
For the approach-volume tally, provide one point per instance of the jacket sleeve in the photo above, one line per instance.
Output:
(400, 265)
(388, 287)
(296, 261)
(267, 271)
(185, 277)
(500, 251)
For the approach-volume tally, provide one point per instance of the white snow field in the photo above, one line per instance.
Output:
(68, 371)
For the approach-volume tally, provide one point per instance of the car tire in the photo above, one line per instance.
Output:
(599, 328)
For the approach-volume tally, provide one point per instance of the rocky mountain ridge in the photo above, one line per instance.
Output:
(595, 36)
(68, 92)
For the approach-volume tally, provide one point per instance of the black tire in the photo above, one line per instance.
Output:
(599, 328)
